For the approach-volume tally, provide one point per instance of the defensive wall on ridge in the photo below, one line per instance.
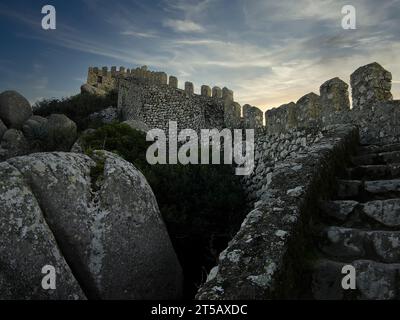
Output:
(154, 98)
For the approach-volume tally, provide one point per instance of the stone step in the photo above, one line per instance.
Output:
(376, 158)
(374, 172)
(382, 186)
(340, 210)
(374, 281)
(368, 190)
(379, 148)
(349, 243)
(384, 212)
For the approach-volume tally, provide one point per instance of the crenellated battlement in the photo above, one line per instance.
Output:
(233, 115)
(108, 79)
(370, 85)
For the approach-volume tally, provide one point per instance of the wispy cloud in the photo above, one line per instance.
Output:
(190, 9)
(185, 26)
(139, 34)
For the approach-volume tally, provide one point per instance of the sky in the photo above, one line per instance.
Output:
(268, 52)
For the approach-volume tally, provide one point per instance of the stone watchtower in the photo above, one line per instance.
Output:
(370, 84)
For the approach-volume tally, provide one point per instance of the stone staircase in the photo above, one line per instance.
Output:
(361, 227)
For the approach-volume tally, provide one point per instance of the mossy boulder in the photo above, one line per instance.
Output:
(14, 109)
(94, 215)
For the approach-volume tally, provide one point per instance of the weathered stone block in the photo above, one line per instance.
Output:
(189, 89)
(253, 117)
(283, 118)
(227, 94)
(173, 82)
(163, 78)
(308, 109)
(334, 96)
(232, 115)
(216, 92)
(386, 212)
(370, 84)
(205, 91)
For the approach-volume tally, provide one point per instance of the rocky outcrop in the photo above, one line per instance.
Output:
(36, 128)
(13, 144)
(106, 116)
(88, 89)
(61, 133)
(3, 129)
(55, 133)
(79, 145)
(27, 244)
(22, 133)
(14, 109)
(137, 125)
(96, 220)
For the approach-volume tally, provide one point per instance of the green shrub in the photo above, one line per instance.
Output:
(202, 205)
(77, 107)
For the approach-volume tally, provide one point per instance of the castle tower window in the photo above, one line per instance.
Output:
(99, 79)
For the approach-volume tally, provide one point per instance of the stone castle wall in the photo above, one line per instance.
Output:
(154, 98)
(156, 105)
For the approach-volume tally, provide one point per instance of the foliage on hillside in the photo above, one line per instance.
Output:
(77, 107)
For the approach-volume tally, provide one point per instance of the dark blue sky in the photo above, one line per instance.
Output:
(268, 52)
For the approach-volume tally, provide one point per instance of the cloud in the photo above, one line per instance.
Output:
(189, 8)
(185, 26)
(268, 52)
(139, 34)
